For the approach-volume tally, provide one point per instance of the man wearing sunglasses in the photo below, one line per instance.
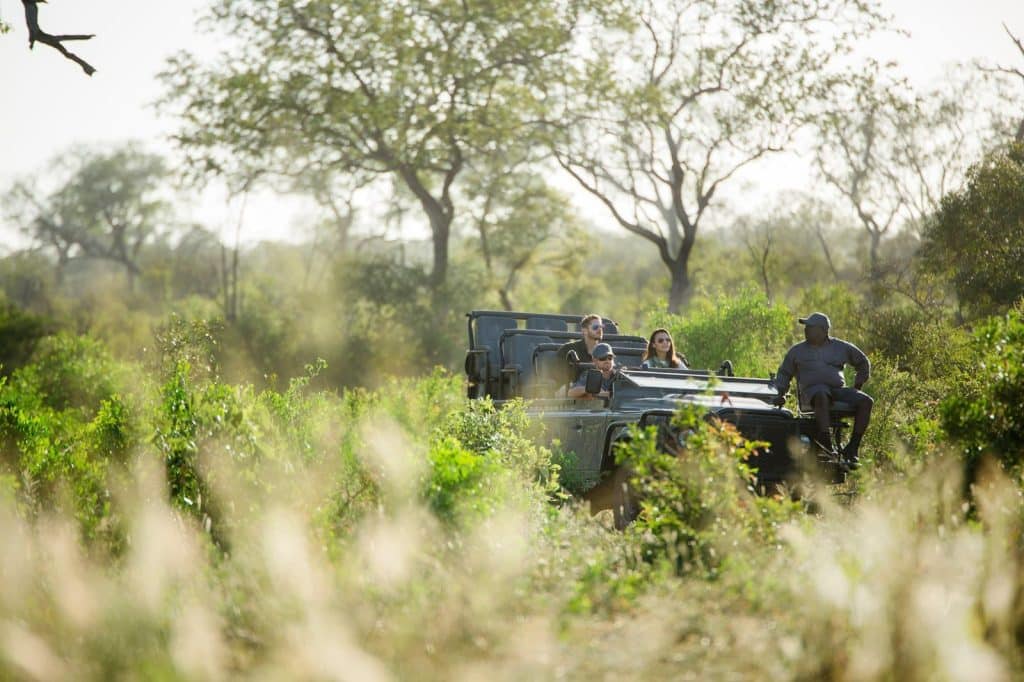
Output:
(604, 361)
(592, 327)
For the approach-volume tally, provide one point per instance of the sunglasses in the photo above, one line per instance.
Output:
(596, 326)
(663, 339)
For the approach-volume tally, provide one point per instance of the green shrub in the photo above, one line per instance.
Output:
(72, 372)
(456, 479)
(987, 418)
(20, 333)
(481, 460)
(697, 505)
(745, 329)
(61, 425)
(843, 307)
(113, 431)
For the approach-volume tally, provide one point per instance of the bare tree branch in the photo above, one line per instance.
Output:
(36, 34)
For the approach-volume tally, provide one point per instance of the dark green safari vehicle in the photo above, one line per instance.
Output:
(515, 355)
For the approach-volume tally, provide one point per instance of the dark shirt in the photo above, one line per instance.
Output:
(821, 365)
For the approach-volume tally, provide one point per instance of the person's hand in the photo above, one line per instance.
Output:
(779, 400)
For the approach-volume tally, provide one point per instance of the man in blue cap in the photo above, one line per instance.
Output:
(817, 363)
(604, 362)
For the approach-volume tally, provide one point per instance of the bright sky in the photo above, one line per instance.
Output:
(48, 104)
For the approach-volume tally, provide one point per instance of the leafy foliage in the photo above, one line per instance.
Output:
(409, 518)
(974, 239)
(19, 333)
(986, 418)
(63, 423)
(659, 135)
(697, 505)
(710, 333)
(409, 91)
(109, 206)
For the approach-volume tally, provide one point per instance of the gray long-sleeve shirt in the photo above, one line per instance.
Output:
(813, 365)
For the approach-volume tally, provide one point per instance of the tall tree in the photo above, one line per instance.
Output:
(521, 222)
(892, 153)
(107, 206)
(793, 242)
(857, 149)
(1016, 73)
(408, 88)
(690, 92)
(975, 237)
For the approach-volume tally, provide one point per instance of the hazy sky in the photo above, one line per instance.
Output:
(48, 104)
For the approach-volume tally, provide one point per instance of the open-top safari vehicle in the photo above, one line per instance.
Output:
(515, 355)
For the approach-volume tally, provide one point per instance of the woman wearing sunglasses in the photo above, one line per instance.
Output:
(661, 352)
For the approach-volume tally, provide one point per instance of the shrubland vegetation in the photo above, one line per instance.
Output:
(161, 520)
(227, 460)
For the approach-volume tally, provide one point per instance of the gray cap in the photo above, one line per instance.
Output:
(601, 351)
(816, 320)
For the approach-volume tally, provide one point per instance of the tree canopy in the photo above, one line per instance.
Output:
(673, 106)
(408, 89)
(107, 206)
(975, 237)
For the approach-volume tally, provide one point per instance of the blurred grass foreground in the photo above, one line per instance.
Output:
(159, 523)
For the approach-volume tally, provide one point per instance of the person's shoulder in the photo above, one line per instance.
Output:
(843, 342)
(569, 345)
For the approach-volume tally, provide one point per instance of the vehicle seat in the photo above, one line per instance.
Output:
(488, 337)
(518, 353)
(546, 324)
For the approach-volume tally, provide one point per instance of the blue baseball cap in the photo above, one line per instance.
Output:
(816, 320)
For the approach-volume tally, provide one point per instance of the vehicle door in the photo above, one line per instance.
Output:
(582, 431)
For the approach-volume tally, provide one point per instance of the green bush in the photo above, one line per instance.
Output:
(697, 505)
(55, 453)
(482, 460)
(986, 418)
(843, 307)
(745, 329)
(20, 333)
(456, 482)
(73, 372)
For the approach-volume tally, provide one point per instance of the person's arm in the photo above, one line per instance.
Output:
(785, 373)
(860, 362)
(578, 391)
(579, 388)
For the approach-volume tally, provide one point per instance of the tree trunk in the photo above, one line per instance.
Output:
(827, 252)
(873, 264)
(680, 292)
(506, 301)
(440, 214)
(440, 229)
